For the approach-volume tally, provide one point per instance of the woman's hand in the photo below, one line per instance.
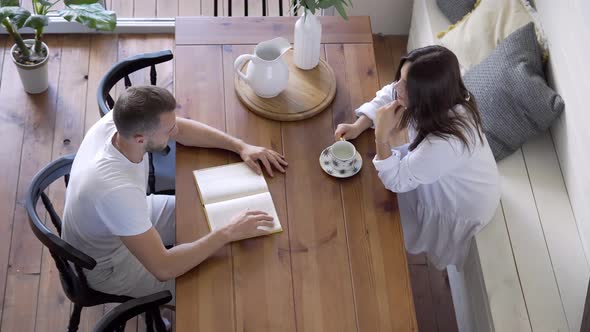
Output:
(349, 131)
(388, 118)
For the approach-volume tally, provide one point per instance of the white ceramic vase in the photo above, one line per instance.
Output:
(308, 38)
(34, 77)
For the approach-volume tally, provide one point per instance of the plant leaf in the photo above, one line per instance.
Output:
(37, 22)
(325, 4)
(310, 4)
(16, 15)
(79, 2)
(42, 6)
(9, 3)
(93, 16)
(341, 10)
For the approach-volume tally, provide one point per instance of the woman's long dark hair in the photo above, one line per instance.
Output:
(434, 87)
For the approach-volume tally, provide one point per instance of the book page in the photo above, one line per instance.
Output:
(227, 182)
(220, 214)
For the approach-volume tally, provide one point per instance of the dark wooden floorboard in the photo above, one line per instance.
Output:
(43, 128)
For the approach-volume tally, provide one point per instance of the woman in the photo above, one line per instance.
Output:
(446, 177)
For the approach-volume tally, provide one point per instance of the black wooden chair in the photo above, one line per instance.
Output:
(70, 261)
(162, 165)
(118, 316)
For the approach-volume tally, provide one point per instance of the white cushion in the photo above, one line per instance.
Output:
(427, 21)
(477, 35)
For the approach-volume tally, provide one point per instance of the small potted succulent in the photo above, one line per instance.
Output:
(308, 30)
(31, 55)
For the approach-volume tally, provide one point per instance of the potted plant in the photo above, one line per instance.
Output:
(31, 55)
(308, 30)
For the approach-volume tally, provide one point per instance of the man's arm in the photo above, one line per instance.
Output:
(167, 264)
(194, 133)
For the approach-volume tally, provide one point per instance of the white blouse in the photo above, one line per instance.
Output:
(446, 191)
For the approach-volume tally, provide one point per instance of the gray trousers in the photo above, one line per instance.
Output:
(128, 275)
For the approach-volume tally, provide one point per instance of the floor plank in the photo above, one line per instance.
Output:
(441, 300)
(130, 45)
(425, 314)
(25, 253)
(19, 313)
(69, 131)
(53, 308)
(386, 65)
(103, 55)
(26, 130)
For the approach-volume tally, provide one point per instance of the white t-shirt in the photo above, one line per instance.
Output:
(106, 196)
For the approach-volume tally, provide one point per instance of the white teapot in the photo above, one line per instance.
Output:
(267, 73)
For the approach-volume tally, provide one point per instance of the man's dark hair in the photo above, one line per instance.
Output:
(138, 109)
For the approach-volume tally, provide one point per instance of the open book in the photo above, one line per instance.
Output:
(230, 189)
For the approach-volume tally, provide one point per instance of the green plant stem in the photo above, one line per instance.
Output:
(38, 37)
(18, 39)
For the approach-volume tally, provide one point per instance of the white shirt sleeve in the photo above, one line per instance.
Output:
(383, 97)
(124, 211)
(433, 158)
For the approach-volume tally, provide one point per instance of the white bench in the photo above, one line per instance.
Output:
(526, 270)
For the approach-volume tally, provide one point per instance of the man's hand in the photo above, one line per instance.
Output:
(245, 225)
(253, 154)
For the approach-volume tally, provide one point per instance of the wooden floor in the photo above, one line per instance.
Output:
(37, 129)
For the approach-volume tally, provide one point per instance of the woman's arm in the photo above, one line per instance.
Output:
(366, 113)
(432, 159)
(382, 98)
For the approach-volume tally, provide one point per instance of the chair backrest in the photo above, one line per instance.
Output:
(122, 70)
(149, 305)
(69, 260)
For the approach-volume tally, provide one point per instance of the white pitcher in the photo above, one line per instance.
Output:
(267, 73)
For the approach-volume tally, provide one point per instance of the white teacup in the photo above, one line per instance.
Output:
(343, 154)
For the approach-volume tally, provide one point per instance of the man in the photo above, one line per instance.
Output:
(107, 214)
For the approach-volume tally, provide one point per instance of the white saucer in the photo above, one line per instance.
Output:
(326, 162)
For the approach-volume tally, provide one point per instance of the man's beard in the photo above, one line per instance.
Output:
(152, 147)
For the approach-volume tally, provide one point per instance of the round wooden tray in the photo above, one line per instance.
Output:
(308, 93)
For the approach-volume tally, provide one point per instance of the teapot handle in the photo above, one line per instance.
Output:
(240, 62)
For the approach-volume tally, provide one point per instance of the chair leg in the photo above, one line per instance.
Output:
(149, 322)
(75, 318)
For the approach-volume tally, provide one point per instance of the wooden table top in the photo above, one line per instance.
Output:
(339, 265)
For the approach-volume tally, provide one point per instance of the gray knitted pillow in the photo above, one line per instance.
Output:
(512, 94)
(454, 10)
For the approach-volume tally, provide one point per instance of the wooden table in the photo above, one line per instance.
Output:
(340, 263)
